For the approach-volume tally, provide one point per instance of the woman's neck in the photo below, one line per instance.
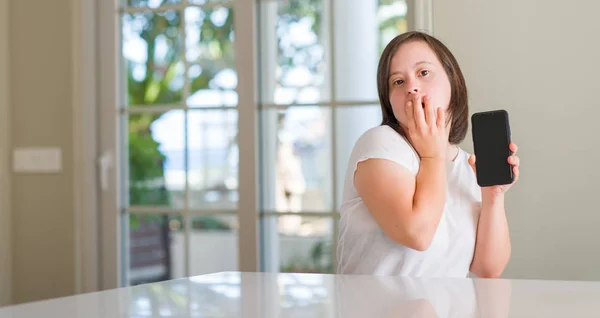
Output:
(452, 152)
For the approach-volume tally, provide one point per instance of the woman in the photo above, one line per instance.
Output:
(411, 203)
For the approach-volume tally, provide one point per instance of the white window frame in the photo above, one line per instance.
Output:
(96, 95)
(5, 171)
(109, 144)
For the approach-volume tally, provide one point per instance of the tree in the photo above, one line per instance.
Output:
(161, 33)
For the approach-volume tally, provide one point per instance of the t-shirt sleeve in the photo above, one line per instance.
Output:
(384, 143)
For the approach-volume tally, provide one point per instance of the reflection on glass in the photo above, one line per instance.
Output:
(155, 248)
(167, 299)
(156, 172)
(213, 244)
(218, 295)
(402, 296)
(296, 159)
(494, 299)
(285, 295)
(230, 294)
(152, 54)
(213, 159)
(305, 295)
(209, 43)
(293, 56)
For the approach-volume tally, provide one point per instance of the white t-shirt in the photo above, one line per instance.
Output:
(363, 248)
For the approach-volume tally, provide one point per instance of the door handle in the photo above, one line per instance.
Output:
(105, 163)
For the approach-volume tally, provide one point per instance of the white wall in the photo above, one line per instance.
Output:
(41, 115)
(540, 61)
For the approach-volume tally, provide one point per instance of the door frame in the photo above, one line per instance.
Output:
(109, 144)
(85, 106)
(5, 151)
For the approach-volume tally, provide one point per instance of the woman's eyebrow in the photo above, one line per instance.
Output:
(416, 64)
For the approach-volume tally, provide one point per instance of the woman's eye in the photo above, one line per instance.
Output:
(398, 82)
(424, 72)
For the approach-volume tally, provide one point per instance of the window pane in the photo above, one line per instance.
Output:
(156, 159)
(152, 4)
(213, 159)
(351, 123)
(391, 20)
(368, 25)
(294, 52)
(152, 54)
(296, 159)
(155, 248)
(209, 42)
(213, 244)
(303, 244)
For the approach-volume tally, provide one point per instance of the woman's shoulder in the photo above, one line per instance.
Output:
(380, 136)
(384, 142)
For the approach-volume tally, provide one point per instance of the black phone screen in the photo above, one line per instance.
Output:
(491, 139)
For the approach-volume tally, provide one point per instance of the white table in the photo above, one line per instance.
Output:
(233, 294)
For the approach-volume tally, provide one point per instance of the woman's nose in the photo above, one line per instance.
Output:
(412, 91)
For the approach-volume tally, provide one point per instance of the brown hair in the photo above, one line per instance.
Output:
(458, 109)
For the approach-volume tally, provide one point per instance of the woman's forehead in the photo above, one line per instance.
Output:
(411, 54)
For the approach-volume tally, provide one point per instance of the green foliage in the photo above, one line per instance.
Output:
(146, 162)
(155, 87)
(159, 70)
(290, 54)
(209, 223)
(146, 165)
(292, 11)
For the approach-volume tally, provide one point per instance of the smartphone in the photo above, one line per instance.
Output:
(491, 140)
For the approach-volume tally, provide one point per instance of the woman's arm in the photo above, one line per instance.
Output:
(406, 208)
(492, 247)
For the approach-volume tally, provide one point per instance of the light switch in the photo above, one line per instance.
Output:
(37, 160)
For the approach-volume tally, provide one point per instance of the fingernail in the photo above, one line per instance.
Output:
(409, 104)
